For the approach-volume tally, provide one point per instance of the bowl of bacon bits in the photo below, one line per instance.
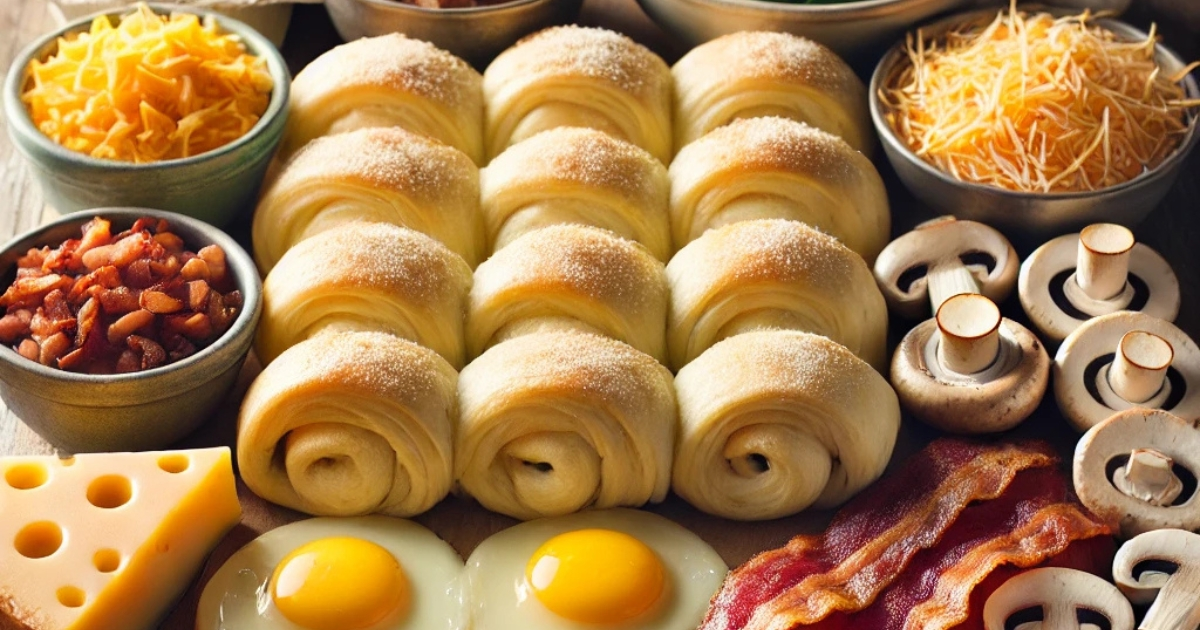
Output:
(154, 107)
(1036, 122)
(123, 328)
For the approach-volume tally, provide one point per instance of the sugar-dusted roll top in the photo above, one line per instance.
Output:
(573, 277)
(384, 175)
(759, 73)
(350, 423)
(555, 422)
(387, 81)
(576, 175)
(366, 276)
(772, 273)
(574, 76)
(773, 422)
(774, 168)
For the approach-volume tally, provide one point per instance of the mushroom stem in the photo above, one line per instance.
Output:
(947, 280)
(1140, 366)
(970, 327)
(1102, 264)
(1148, 477)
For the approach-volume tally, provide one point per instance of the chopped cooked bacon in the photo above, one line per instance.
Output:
(910, 552)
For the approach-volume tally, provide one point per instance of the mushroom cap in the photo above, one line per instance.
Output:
(1081, 365)
(1060, 593)
(941, 241)
(1118, 435)
(1174, 546)
(1051, 264)
(1007, 393)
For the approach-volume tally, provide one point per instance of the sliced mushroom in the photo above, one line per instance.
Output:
(1061, 594)
(938, 259)
(1141, 495)
(1099, 271)
(969, 370)
(1125, 360)
(1163, 567)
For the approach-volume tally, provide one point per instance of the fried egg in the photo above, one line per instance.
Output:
(598, 570)
(362, 573)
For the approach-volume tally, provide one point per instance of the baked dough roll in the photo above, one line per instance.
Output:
(774, 168)
(575, 277)
(366, 276)
(384, 175)
(350, 423)
(773, 422)
(773, 273)
(758, 73)
(577, 175)
(573, 76)
(387, 81)
(556, 422)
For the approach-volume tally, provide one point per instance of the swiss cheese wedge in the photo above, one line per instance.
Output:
(108, 540)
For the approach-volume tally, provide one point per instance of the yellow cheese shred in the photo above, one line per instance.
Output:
(1035, 103)
(151, 88)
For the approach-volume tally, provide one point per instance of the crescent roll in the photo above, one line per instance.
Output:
(573, 76)
(556, 422)
(387, 81)
(384, 175)
(366, 276)
(772, 273)
(774, 168)
(570, 276)
(773, 422)
(350, 423)
(758, 73)
(577, 175)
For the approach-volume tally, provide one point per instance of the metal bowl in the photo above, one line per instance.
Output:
(476, 34)
(137, 411)
(1024, 216)
(851, 29)
(213, 186)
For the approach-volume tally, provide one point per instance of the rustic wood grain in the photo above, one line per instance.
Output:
(1173, 229)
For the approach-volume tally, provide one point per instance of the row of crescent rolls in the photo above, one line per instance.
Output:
(331, 273)
(589, 79)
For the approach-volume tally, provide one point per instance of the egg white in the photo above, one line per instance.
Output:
(498, 597)
(237, 597)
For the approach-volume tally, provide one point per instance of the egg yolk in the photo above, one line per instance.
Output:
(596, 576)
(339, 583)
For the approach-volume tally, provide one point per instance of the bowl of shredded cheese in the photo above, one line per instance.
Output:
(1035, 122)
(152, 107)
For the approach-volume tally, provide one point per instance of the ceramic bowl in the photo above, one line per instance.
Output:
(477, 34)
(1025, 217)
(213, 186)
(851, 29)
(137, 411)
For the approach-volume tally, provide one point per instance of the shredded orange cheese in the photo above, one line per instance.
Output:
(151, 88)
(1037, 103)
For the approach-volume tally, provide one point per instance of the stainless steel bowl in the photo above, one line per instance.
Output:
(476, 34)
(849, 28)
(145, 410)
(1023, 216)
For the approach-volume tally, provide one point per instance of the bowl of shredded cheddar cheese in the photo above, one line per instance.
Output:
(1035, 122)
(153, 107)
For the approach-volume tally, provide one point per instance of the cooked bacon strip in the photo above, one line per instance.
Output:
(908, 552)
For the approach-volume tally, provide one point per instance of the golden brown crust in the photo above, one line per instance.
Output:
(608, 283)
(377, 174)
(811, 175)
(744, 73)
(426, 90)
(612, 183)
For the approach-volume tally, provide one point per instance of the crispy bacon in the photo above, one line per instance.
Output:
(916, 550)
